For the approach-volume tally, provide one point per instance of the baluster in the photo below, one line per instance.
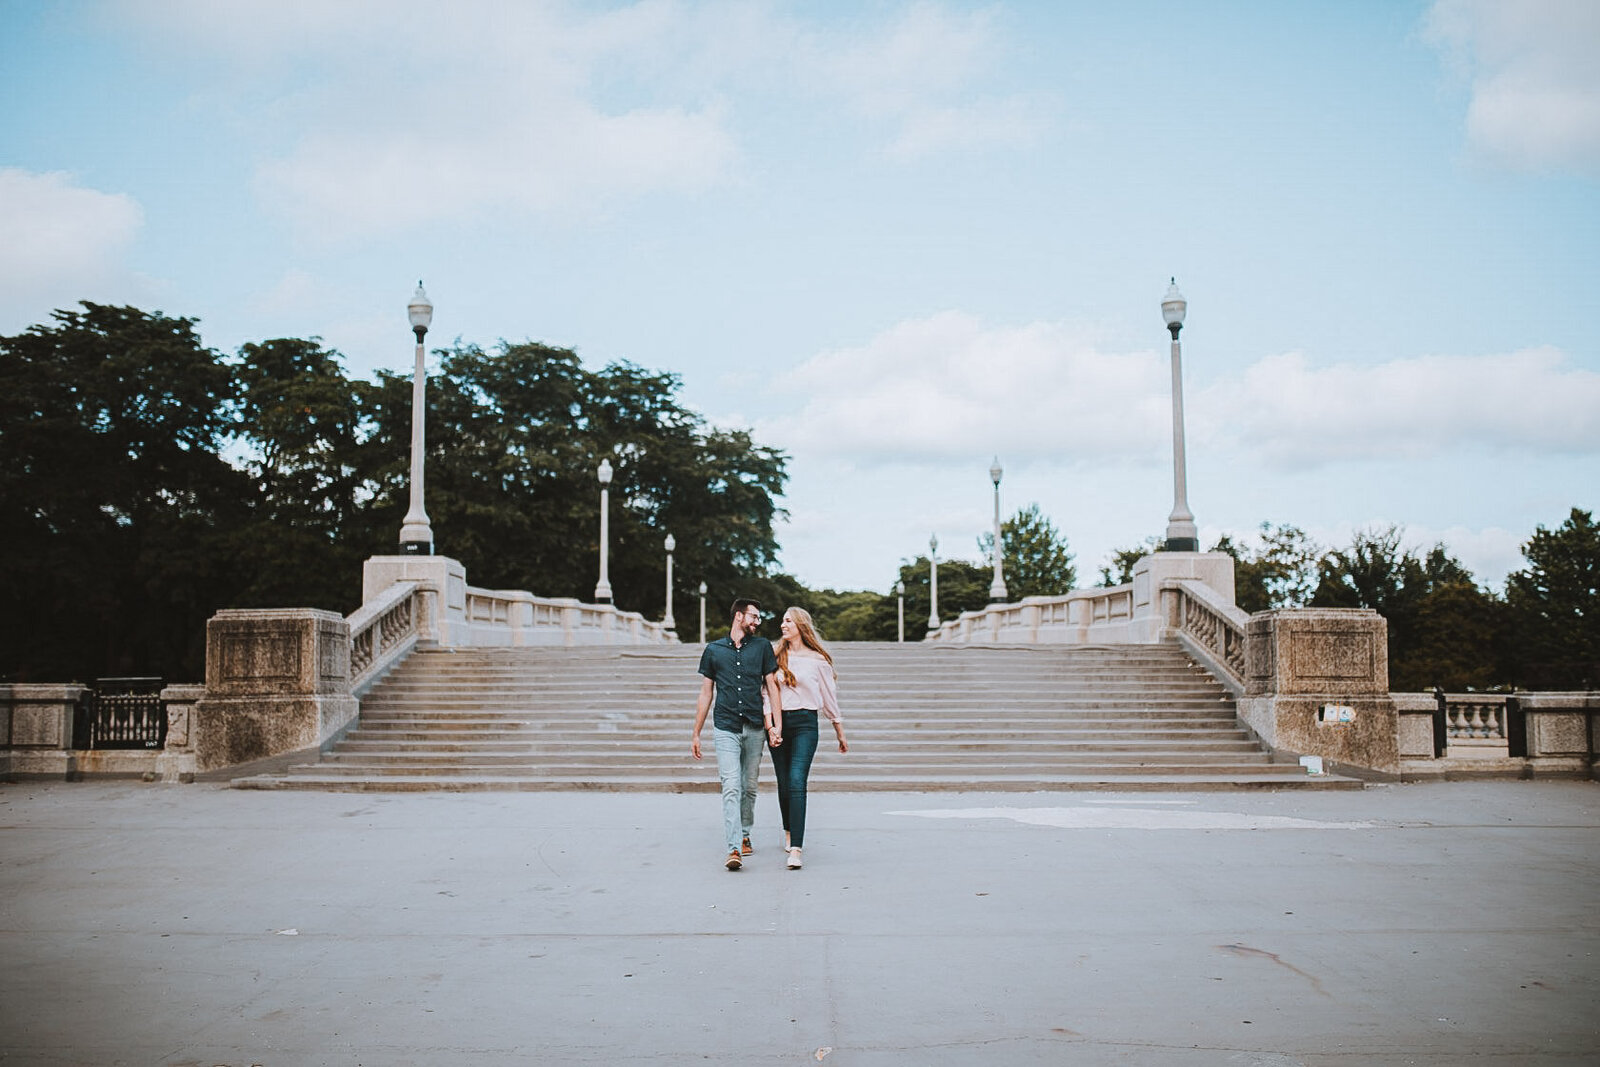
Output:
(1479, 728)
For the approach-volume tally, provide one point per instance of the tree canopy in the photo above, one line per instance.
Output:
(150, 482)
(1034, 557)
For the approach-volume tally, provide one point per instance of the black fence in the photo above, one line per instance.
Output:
(121, 713)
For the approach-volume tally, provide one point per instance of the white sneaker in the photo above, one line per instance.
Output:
(794, 859)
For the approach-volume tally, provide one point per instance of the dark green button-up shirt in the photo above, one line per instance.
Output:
(738, 673)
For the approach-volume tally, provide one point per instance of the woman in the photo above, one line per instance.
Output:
(806, 685)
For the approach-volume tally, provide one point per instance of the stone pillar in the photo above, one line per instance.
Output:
(1150, 623)
(177, 761)
(1562, 732)
(444, 585)
(277, 681)
(1317, 684)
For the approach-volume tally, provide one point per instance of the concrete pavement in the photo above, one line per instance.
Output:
(1449, 923)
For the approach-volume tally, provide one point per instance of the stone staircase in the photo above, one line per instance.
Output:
(918, 717)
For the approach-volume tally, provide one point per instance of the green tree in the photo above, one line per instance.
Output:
(301, 420)
(114, 498)
(1118, 568)
(1554, 606)
(515, 437)
(963, 586)
(1035, 557)
(1377, 571)
(1281, 573)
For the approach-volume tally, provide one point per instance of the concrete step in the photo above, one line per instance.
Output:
(919, 718)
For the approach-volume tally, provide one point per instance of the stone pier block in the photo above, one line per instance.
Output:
(1317, 683)
(277, 681)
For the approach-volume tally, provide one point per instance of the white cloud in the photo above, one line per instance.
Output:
(376, 116)
(1297, 415)
(389, 115)
(946, 387)
(1535, 83)
(60, 243)
(923, 75)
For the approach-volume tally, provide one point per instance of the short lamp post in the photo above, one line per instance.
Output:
(997, 588)
(1182, 534)
(702, 613)
(667, 621)
(416, 535)
(602, 589)
(900, 611)
(933, 582)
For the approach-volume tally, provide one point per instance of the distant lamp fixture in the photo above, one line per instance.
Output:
(667, 621)
(997, 588)
(933, 582)
(416, 534)
(1182, 533)
(900, 611)
(602, 589)
(702, 613)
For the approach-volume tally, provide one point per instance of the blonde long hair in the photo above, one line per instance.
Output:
(806, 631)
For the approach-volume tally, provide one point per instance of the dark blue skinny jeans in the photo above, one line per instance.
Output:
(792, 763)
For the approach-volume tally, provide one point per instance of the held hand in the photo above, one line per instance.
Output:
(774, 736)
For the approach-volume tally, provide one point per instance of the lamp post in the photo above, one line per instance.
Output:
(667, 621)
(1182, 534)
(933, 582)
(602, 589)
(416, 536)
(997, 588)
(702, 613)
(900, 611)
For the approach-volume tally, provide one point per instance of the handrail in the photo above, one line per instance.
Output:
(1082, 616)
(1210, 628)
(383, 631)
(517, 617)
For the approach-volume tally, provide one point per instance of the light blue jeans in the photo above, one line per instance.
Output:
(738, 759)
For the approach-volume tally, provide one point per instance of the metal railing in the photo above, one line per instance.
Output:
(122, 713)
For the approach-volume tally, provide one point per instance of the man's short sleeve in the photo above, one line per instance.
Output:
(769, 661)
(706, 667)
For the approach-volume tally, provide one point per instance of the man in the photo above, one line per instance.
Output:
(737, 670)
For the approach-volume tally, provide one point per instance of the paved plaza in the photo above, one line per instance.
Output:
(1442, 924)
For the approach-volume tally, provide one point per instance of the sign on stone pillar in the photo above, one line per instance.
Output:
(1317, 684)
(277, 681)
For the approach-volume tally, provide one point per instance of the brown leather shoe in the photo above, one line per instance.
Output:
(734, 862)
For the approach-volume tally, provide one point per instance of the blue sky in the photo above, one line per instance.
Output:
(895, 239)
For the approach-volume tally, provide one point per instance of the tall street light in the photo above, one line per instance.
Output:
(997, 588)
(702, 613)
(900, 611)
(416, 536)
(602, 589)
(667, 621)
(933, 582)
(1182, 534)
